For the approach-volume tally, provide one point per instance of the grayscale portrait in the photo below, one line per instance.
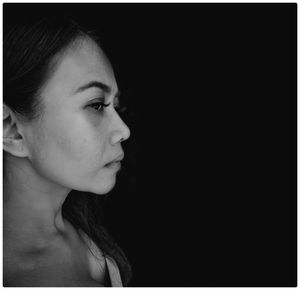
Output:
(150, 144)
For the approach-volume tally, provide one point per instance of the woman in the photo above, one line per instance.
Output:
(62, 149)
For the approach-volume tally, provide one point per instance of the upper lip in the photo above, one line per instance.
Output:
(119, 158)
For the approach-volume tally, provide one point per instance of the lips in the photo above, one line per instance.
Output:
(117, 159)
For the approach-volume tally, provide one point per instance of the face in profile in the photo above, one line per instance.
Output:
(80, 132)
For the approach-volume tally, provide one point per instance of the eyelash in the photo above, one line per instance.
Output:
(99, 104)
(102, 105)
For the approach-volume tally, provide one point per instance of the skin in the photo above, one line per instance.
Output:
(67, 148)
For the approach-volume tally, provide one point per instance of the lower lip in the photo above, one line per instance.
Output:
(114, 165)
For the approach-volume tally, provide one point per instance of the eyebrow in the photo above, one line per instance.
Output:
(96, 84)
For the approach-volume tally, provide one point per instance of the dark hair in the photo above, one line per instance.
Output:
(30, 47)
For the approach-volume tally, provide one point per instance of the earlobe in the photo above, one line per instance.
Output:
(13, 141)
(14, 147)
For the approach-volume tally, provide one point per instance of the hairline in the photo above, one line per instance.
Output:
(52, 66)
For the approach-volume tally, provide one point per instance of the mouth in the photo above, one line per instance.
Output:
(115, 162)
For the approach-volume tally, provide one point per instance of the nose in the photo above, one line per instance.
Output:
(121, 131)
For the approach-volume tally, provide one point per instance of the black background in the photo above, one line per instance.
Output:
(207, 194)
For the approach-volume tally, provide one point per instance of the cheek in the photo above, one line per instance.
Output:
(69, 145)
(80, 144)
(71, 149)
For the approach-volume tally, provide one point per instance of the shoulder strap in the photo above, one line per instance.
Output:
(114, 273)
(112, 267)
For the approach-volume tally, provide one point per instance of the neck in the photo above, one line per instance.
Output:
(32, 207)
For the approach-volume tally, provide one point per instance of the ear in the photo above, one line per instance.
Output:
(13, 141)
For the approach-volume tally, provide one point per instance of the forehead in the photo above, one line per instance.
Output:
(81, 63)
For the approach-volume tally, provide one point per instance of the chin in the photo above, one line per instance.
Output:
(104, 187)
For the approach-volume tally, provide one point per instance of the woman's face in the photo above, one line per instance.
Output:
(75, 139)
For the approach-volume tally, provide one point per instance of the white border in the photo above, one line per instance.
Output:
(166, 1)
(152, 1)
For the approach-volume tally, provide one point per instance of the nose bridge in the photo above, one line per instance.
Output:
(120, 131)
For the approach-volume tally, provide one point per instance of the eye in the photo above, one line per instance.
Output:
(99, 106)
